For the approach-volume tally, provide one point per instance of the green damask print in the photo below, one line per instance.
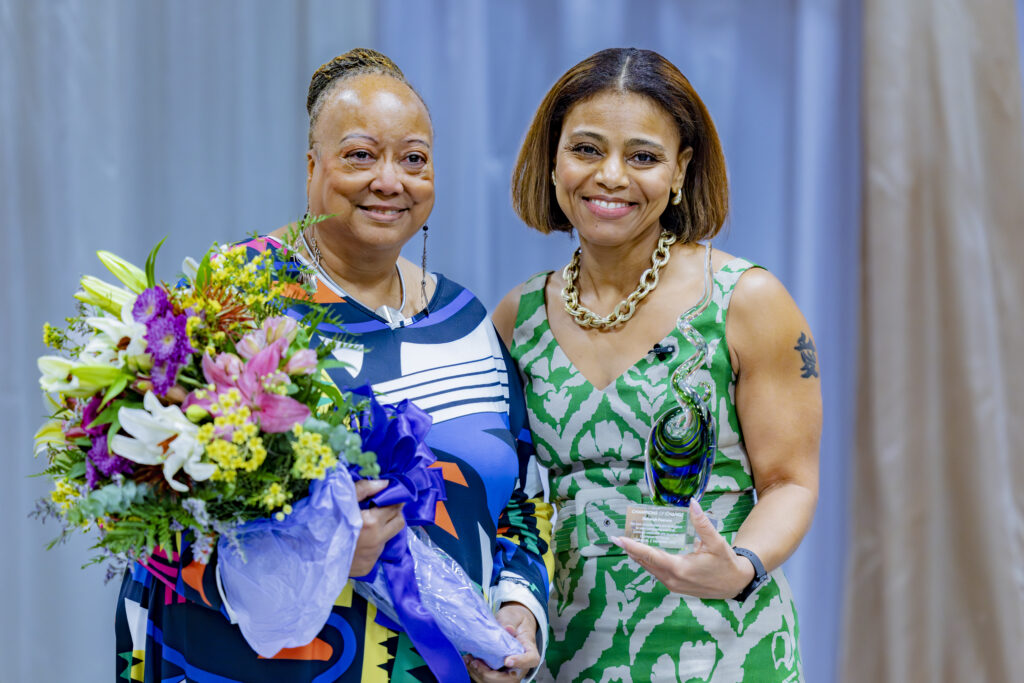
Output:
(610, 619)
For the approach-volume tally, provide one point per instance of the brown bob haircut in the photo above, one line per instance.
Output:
(705, 188)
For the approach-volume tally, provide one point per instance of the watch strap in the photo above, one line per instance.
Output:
(760, 575)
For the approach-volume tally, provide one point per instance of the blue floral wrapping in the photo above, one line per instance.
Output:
(423, 591)
(448, 594)
(281, 578)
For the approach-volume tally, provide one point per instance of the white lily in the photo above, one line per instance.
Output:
(110, 344)
(56, 374)
(128, 273)
(162, 435)
(190, 268)
(50, 434)
(104, 295)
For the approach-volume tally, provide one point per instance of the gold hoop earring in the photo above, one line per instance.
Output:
(553, 181)
(678, 198)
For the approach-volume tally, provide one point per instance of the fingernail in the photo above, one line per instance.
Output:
(615, 540)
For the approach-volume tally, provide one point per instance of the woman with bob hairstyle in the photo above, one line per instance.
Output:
(623, 152)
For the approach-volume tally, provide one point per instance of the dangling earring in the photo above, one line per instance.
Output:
(678, 199)
(553, 181)
(423, 272)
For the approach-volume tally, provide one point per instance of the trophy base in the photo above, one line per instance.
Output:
(662, 526)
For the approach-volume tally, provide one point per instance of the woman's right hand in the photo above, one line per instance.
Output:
(380, 524)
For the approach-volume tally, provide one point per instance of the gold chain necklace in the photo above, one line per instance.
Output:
(625, 309)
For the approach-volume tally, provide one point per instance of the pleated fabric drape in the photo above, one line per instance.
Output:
(124, 122)
(936, 581)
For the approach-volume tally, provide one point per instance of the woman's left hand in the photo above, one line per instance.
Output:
(520, 622)
(712, 570)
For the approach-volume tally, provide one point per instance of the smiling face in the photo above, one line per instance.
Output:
(617, 164)
(371, 163)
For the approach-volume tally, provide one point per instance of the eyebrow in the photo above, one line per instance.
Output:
(370, 138)
(641, 142)
(632, 142)
(361, 136)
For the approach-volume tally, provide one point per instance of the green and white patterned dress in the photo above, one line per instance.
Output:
(610, 619)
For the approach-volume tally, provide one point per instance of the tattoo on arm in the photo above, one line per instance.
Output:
(808, 354)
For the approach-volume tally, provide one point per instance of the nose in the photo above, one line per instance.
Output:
(612, 173)
(387, 180)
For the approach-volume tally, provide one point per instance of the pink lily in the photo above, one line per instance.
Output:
(302, 362)
(275, 413)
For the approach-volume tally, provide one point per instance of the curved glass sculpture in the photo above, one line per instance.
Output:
(683, 441)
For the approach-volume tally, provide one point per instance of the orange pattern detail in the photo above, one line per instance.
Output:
(318, 650)
(451, 472)
(193, 576)
(443, 519)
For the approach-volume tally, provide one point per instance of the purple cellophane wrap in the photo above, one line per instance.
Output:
(281, 578)
(454, 601)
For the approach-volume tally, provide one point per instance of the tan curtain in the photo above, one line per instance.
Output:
(936, 576)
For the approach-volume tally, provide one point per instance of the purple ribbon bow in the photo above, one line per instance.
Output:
(396, 434)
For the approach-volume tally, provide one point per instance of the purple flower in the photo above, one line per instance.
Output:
(163, 376)
(167, 340)
(151, 303)
(92, 477)
(102, 461)
(89, 415)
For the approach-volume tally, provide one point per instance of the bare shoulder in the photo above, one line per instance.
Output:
(505, 313)
(719, 258)
(759, 295)
(763, 318)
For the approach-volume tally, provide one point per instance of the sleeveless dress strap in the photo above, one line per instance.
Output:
(532, 313)
(727, 277)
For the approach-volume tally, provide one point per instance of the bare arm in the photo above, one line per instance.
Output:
(778, 400)
(504, 316)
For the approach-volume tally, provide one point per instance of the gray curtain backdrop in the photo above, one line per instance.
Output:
(123, 122)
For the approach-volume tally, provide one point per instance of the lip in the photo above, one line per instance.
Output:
(383, 213)
(608, 208)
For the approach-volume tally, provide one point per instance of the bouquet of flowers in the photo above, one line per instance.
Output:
(200, 413)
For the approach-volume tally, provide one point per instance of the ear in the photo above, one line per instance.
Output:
(310, 166)
(682, 161)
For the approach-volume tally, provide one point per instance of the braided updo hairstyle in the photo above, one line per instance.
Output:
(355, 62)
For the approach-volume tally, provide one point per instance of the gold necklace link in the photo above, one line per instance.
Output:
(625, 309)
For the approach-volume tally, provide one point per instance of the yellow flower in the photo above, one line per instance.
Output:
(64, 495)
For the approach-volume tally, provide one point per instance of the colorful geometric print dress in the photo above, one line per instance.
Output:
(610, 619)
(172, 626)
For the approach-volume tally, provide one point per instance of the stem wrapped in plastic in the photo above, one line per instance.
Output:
(453, 601)
(281, 578)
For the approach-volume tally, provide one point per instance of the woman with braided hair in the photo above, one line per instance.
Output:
(412, 335)
(623, 152)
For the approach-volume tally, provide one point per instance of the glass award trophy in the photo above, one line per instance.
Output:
(681, 447)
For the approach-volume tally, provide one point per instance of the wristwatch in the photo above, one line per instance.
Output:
(760, 575)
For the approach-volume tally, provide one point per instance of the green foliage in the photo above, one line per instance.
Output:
(108, 500)
(151, 264)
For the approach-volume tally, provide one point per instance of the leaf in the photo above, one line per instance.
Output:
(203, 272)
(116, 388)
(151, 264)
(109, 414)
(331, 391)
(332, 363)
